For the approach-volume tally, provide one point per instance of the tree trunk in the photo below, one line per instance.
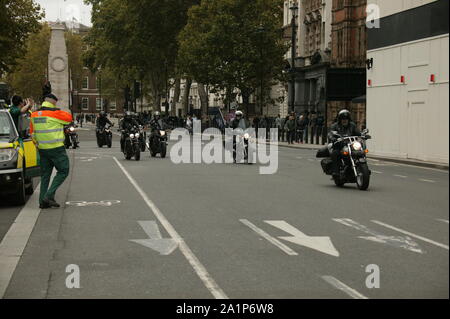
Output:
(185, 101)
(176, 96)
(203, 100)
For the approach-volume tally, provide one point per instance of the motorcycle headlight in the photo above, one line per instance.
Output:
(162, 133)
(357, 146)
(137, 135)
(7, 154)
(132, 135)
(246, 136)
(71, 129)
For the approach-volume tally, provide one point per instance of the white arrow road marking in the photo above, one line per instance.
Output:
(156, 242)
(442, 220)
(198, 267)
(395, 241)
(343, 287)
(411, 234)
(322, 244)
(269, 238)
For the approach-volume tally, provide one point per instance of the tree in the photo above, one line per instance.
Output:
(222, 44)
(74, 43)
(138, 39)
(28, 75)
(18, 19)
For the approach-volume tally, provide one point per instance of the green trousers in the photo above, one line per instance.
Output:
(53, 158)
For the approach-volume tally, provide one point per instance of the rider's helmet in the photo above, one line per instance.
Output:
(157, 115)
(239, 114)
(128, 114)
(102, 114)
(344, 115)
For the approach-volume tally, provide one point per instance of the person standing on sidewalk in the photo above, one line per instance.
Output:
(290, 127)
(47, 131)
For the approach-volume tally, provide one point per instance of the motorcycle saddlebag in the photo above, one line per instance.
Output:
(327, 166)
(323, 152)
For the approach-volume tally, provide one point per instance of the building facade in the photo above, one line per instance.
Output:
(407, 94)
(330, 63)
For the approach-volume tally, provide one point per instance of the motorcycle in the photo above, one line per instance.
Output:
(131, 144)
(71, 137)
(352, 163)
(158, 143)
(104, 136)
(242, 141)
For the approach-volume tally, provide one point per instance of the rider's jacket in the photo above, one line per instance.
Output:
(349, 130)
(102, 121)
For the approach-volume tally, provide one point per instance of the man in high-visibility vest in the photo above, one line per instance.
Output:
(47, 131)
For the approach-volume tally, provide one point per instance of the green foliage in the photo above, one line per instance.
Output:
(28, 75)
(234, 43)
(18, 19)
(137, 39)
(74, 43)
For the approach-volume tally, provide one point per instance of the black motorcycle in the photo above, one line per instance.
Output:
(353, 167)
(158, 142)
(71, 137)
(104, 136)
(131, 146)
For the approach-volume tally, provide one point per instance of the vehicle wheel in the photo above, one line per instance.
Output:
(21, 199)
(137, 156)
(339, 182)
(363, 179)
(29, 190)
(163, 150)
(109, 142)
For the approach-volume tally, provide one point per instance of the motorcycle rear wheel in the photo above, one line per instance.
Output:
(163, 150)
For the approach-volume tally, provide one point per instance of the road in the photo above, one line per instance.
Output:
(154, 229)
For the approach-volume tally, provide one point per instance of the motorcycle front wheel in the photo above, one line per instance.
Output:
(363, 178)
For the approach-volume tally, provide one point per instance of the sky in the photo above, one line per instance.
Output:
(65, 10)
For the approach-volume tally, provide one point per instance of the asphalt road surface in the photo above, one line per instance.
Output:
(154, 229)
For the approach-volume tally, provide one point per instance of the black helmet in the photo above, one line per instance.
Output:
(344, 115)
(128, 114)
(102, 113)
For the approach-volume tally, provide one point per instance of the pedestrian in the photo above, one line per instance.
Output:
(290, 128)
(18, 108)
(47, 131)
(279, 126)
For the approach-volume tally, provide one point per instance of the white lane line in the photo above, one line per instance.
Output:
(427, 180)
(411, 234)
(269, 238)
(343, 287)
(200, 270)
(443, 220)
(401, 176)
(16, 239)
(377, 172)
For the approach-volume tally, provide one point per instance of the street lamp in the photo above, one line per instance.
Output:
(294, 10)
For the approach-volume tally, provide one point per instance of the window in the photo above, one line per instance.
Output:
(98, 104)
(98, 83)
(85, 103)
(113, 106)
(85, 84)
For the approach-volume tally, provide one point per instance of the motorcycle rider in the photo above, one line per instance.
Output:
(343, 127)
(239, 122)
(102, 120)
(125, 125)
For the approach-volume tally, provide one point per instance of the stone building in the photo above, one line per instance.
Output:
(330, 62)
